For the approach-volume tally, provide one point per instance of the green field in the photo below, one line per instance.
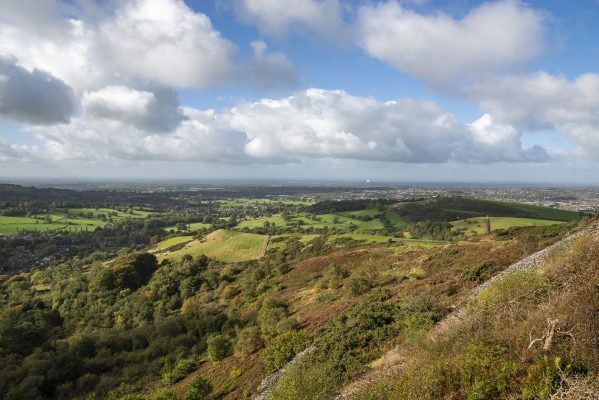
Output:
(385, 239)
(243, 202)
(224, 245)
(72, 219)
(477, 225)
(460, 208)
(341, 220)
(194, 226)
(165, 244)
(11, 225)
(115, 214)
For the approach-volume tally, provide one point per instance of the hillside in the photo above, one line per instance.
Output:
(455, 208)
(212, 313)
(529, 332)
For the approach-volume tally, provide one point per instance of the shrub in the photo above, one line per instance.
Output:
(544, 377)
(283, 348)
(333, 276)
(219, 347)
(302, 382)
(477, 273)
(180, 371)
(274, 318)
(248, 341)
(360, 282)
(200, 389)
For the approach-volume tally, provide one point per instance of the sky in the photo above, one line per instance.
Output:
(389, 91)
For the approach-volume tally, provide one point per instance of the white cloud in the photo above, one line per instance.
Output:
(160, 41)
(277, 18)
(196, 138)
(543, 101)
(310, 125)
(151, 111)
(34, 97)
(440, 49)
(166, 42)
(323, 123)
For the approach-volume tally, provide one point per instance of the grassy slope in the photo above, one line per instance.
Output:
(225, 245)
(455, 208)
(173, 241)
(492, 345)
(477, 225)
(194, 226)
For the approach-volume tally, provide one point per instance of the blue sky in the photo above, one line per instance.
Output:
(335, 89)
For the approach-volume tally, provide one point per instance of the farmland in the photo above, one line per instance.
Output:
(342, 220)
(72, 220)
(165, 244)
(224, 245)
(477, 225)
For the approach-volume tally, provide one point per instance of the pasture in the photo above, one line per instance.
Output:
(343, 220)
(224, 245)
(72, 220)
(477, 225)
(165, 244)
(194, 226)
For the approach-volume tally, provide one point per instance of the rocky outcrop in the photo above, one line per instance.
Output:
(270, 381)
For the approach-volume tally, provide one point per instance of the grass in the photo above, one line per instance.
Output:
(165, 244)
(243, 202)
(225, 245)
(11, 225)
(477, 225)
(341, 220)
(458, 208)
(303, 238)
(385, 239)
(71, 219)
(76, 212)
(195, 226)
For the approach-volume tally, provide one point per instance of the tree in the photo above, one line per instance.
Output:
(219, 347)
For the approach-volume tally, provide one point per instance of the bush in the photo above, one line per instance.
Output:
(360, 282)
(283, 348)
(181, 370)
(274, 318)
(544, 377)
(301, 382)
(219, 347)
(248, 341)
(200, 389)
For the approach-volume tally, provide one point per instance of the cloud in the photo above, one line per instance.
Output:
(270, 71)
(152, 111)
(159, 41)
(322, 123)
(34, 96)
(309, 125)
(542, 101)
(440, 49)
(196, 138)
(277, 18)
(166, 42)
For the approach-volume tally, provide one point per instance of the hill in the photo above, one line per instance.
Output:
(213, 315)
(456, 208)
